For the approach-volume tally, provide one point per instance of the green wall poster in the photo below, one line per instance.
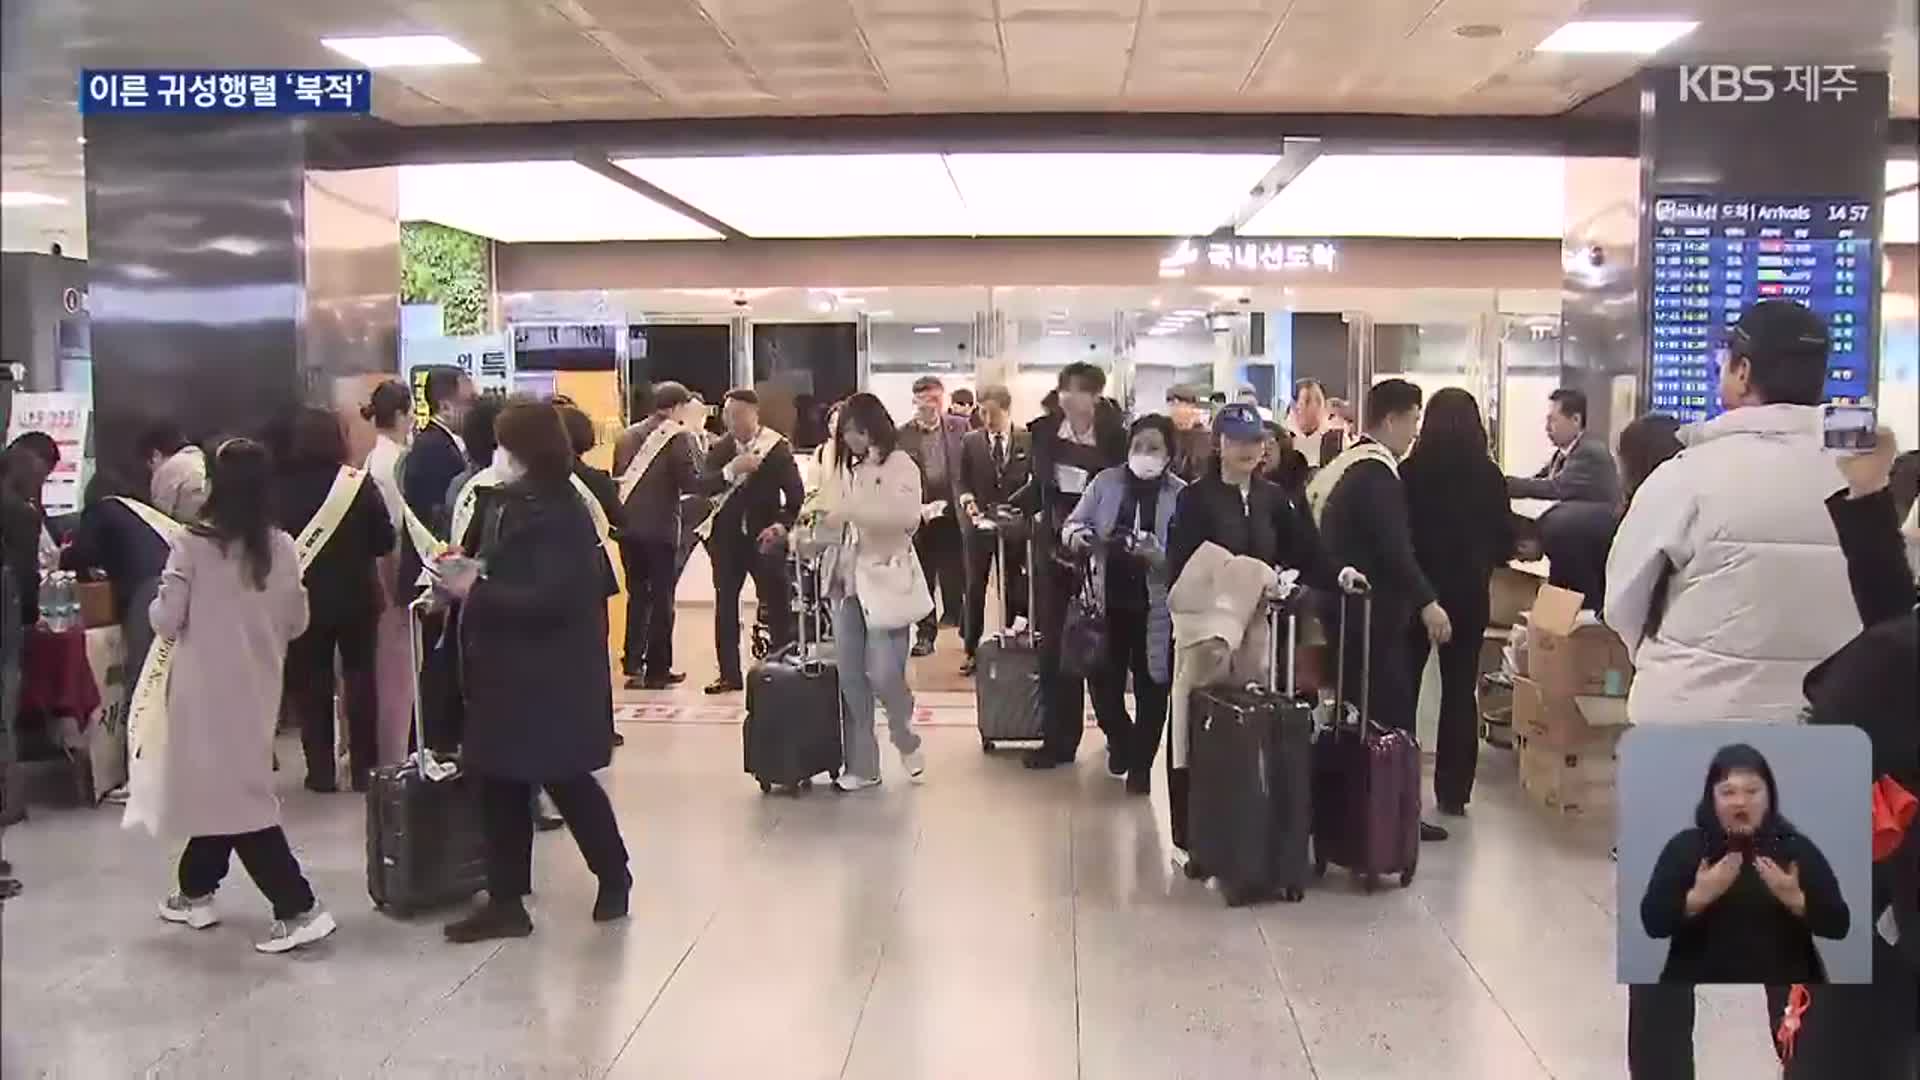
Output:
(445, 266)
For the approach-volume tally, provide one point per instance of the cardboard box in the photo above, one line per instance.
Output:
(1510, 594)
(1570, 653)
(1571, 780)
(96, 603)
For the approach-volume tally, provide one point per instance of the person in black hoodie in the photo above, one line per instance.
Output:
(1360, 505)
(344, 598)
(1869, 1032)
(1742, 893)
(755, 482)
(1072, 443)
(1462, 529)
(114, 540)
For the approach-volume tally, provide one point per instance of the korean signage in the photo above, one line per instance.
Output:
(65, 417)
(486, 358)
(1754, 83)
(1250, 257)
(226, 92)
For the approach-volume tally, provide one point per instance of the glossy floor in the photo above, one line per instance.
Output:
(995, 923)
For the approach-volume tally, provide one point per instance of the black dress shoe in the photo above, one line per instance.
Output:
(1116, 767)
(1044, 758)
(1432, 834)
(610, 904)
(619, 739)
(1140, 782)
(490, 921)
(967, 667)
(656, 682)
(675, 678)
(723, 686)
(923, 647)
(547, 822)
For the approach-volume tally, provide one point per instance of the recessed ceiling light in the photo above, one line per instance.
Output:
(410, 50)
(1631, 37)
(926, 329)
(1478, 31)
(29, 198)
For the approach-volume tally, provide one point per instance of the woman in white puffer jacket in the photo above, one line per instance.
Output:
(1726, 579)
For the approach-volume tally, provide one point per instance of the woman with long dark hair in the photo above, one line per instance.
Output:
(345, 597)
(868, 508)
(230, 600)
(1462, 529)
(533, 661)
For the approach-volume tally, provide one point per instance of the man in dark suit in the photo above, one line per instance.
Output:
(655, 463)
(435, 457)
(756, 485)
(995, 462)
(931, 437)
(1582, 469)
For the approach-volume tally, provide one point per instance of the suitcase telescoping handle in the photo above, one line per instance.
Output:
(416, 648)
(807, 613)
(1366, 658)
(1284, 604)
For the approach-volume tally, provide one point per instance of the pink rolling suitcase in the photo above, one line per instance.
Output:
(1366, 782)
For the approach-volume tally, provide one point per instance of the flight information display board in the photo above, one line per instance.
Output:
(1714, 256)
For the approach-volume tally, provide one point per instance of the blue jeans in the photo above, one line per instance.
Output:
(873, 665)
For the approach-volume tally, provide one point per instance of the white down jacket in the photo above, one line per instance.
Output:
(1756, 585)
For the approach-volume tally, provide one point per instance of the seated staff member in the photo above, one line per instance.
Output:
(1742, 893)
(755, 481)
(1580, 470)
(1123, 522)
(344, 598)
(995, 462)
(1072, 443)
(1245, 514)
(657, 465)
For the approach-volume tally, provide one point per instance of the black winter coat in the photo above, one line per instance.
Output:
(533, 642)
(343, 583)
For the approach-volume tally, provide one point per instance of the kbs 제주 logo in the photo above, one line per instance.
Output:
(1753, 83)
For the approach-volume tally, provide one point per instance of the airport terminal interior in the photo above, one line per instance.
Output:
(1256, 221)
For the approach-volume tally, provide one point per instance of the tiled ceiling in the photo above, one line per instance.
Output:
(549, 60)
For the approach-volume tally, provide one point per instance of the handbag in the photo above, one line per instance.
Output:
(893, 590)
(1083, 637)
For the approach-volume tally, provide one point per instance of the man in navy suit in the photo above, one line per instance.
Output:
(436, 456)
(1582, 469)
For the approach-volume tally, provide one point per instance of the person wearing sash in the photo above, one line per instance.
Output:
(599, 482)
(1360, 505)
(435, 456)
(115, 539)
(230, 601)
(390, 409)
(178, 469)
(538, 690)
(353, 535)
(755, 482)
(656, 464)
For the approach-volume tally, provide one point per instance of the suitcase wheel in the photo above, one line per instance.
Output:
(1406, 877)
(986, 745)
(765, 787)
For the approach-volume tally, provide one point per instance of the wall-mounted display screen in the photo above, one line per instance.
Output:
(1714, 256)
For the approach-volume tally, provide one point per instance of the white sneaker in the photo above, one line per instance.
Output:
(916, 764)
(849, 782)
(291, 934)
(194, 911)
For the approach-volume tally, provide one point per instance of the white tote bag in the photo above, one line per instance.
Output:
(893, 591)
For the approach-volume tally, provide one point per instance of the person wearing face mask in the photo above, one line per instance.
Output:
(1123, 522)
(1072, 443)
(657, 464)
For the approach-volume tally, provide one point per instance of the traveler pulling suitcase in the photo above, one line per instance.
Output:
(425, 848)
(1366, 782)
(792, 732)
(1250, 751)
(1006, 673)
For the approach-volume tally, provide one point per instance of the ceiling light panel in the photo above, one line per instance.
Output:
(798, 196)
(536, 201)
(29, 198)
(411, 50)
(1104, 194)
(1419, 195)
(1617, 37)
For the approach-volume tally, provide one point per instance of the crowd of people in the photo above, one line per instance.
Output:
(283, 581)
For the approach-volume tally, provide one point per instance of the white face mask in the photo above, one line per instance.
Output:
(1146, 466)
(506, 466)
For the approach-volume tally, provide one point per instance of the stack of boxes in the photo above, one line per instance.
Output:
(1511, 593)
(1569, 708)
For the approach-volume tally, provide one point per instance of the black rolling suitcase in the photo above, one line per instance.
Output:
(1006, 672)
(792, 732)
(425, 848)
(1250, 752)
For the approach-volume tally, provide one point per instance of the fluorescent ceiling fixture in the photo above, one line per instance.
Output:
(810, 195)
(1481, 195)
(409, 50)
(1629, 37)
(1104, 194)
(30, 198)
(926, 329)
(531, 201)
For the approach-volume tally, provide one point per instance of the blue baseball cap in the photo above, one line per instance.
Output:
(1239, 422)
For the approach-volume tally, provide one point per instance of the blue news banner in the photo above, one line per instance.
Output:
(342, 90)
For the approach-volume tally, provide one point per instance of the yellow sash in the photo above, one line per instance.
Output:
(1328, 478)
(469, 497)
(650, 448)
(762, 445)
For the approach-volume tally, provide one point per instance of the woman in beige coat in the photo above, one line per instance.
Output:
(230, 599)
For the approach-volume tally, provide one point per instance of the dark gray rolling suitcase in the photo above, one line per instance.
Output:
(425, 848)
(792, 731)
(1006, 673)
(1250, 752)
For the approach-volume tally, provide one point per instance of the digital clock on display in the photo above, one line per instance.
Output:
(1714, 257)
